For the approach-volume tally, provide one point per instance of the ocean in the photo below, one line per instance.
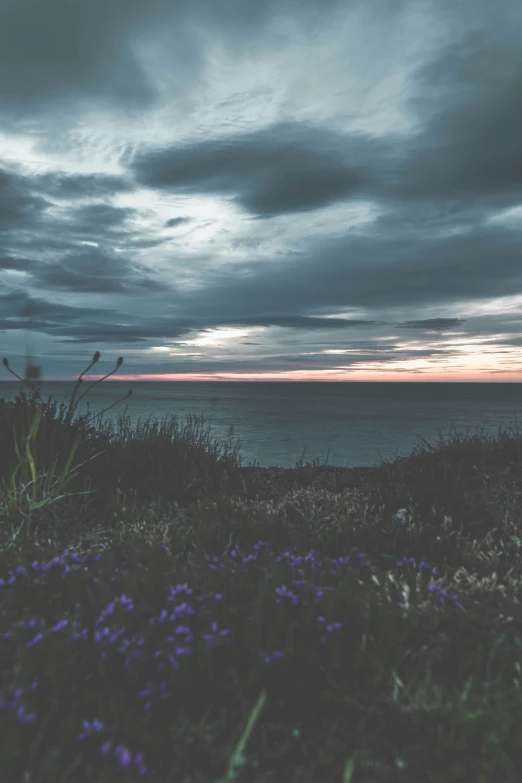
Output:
(274, 421)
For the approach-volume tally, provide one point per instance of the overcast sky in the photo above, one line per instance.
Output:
(262, 189)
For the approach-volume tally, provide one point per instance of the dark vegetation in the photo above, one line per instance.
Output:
(169, 615)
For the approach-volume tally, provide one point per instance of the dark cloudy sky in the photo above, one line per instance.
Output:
(262, 189)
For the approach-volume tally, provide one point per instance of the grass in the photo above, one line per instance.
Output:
(169, 615)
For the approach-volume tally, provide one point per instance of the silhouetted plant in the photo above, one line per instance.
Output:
(49, 437)
(72, 404)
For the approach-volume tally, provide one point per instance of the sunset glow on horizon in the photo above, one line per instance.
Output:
(295, 377)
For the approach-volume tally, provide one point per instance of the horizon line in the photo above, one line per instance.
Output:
(169, 378)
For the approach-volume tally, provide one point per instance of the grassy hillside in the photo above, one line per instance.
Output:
(167, 614)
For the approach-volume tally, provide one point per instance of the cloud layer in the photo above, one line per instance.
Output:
(263, 190)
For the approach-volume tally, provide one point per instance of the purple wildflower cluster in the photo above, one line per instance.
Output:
(180, 638)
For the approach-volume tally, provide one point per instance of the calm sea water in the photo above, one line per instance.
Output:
(274, 421)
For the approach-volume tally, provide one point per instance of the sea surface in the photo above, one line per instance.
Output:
(356, 422)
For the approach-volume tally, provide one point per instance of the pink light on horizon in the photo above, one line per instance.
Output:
(319, 376)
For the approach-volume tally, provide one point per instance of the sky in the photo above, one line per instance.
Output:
(244, 190)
